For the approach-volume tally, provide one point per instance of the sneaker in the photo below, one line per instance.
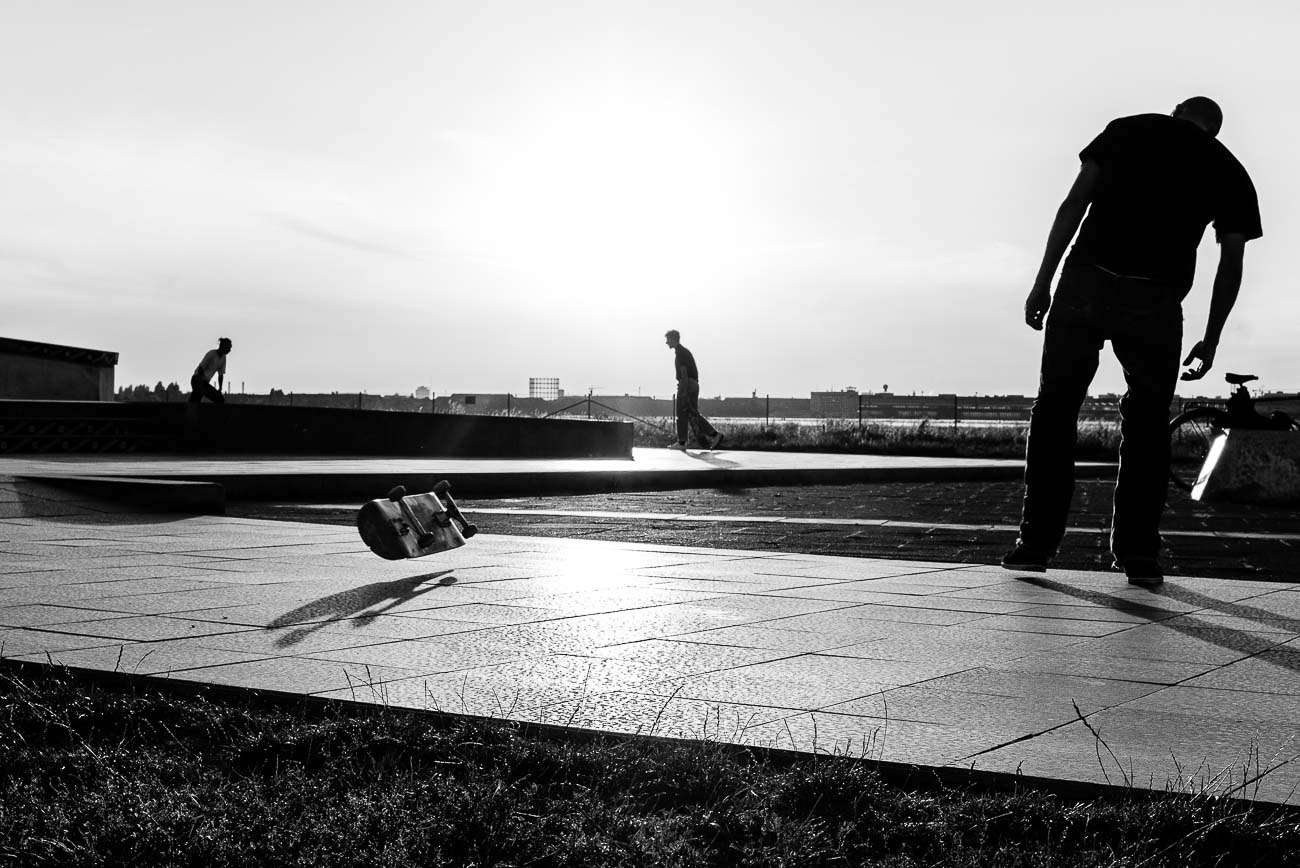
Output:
(1144, 572)
(680, 447)
(715, 440)
(1025, 559)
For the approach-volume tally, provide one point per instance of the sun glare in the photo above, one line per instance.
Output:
(580, 203)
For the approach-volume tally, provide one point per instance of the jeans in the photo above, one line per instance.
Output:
(688, 412)
(1143, 320)
(201, 388)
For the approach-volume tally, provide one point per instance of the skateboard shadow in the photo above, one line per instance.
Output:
(359, 605)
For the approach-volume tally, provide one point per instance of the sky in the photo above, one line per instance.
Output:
(374, 196)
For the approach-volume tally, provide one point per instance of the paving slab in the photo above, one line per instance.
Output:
(1073, 675)
(146, 658)
(1159, 750)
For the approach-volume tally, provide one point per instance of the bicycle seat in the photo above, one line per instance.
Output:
(1239, 379)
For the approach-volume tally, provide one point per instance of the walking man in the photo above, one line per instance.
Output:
(1149, 184)
(688, 398)
(214, 362)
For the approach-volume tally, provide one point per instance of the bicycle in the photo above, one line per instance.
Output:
(1192, 431)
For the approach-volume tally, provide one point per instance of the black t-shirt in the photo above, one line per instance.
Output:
(685, 363)
(1162, 181)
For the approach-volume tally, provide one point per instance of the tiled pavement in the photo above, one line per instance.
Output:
(1193, 686)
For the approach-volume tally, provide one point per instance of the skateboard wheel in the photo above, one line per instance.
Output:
(397, 493)
(470, 530)
(427, 540)
(442, 487)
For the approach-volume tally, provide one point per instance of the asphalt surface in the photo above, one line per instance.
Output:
(953, 522)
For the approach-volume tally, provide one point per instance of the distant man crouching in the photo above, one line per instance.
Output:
(214, 362)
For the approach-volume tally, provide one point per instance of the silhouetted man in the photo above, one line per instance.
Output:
(1150, 184)
(214, 362)
(688, 397)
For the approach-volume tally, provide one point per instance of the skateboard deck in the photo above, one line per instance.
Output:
(403, 525)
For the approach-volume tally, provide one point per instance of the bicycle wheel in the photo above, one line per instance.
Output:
(1190, 435)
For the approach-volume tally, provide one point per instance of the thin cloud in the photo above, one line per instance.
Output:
(352, 242)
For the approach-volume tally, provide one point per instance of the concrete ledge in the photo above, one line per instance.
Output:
(339, 479)
(324, 486)
(152, 495)
(67, 427)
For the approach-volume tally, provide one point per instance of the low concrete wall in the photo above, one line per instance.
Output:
(77, 426)
(151, 495)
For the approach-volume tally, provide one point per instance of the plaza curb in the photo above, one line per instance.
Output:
(206, 491)
(155, 495)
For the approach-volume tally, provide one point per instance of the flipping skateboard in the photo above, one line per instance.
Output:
(405, 525)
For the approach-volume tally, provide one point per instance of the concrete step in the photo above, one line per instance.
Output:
(151, 495)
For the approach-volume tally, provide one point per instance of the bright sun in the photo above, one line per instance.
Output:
(580, 202)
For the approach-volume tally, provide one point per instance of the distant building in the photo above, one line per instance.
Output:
(834, 405)
(35, 370)
(481, 403)
(545, 388)
(422, 393)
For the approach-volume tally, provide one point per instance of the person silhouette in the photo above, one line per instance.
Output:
(214, 362)
(688, 397)
(1149, 184)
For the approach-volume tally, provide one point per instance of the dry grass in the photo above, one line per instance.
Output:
(96, 776)
(1098, 441)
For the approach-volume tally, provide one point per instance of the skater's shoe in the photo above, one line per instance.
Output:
(1025, 559)
(715, 440)
(1144, 572)
(680, 447)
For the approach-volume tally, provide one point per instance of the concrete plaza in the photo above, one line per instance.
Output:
(1072, 675)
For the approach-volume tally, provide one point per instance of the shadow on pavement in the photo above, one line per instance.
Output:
(712, 460)
(356, 604)
(1189, 625)
(1239, 610)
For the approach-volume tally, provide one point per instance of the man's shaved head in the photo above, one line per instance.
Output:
(1202, 111)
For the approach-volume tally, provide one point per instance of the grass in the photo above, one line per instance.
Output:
(1098, 441)
(96, 775)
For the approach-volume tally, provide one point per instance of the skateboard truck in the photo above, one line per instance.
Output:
(426, 538)
(397, 495)
(467, 527)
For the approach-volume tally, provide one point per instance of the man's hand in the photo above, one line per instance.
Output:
(1040, 298)
(1066, 224)
(1203, 356)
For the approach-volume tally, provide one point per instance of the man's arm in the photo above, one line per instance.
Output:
(1227, 282)
(1068, 218)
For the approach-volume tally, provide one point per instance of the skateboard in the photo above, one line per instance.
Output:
(405, 525)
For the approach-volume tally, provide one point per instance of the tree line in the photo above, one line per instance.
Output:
(169, 392)
(278, 397)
